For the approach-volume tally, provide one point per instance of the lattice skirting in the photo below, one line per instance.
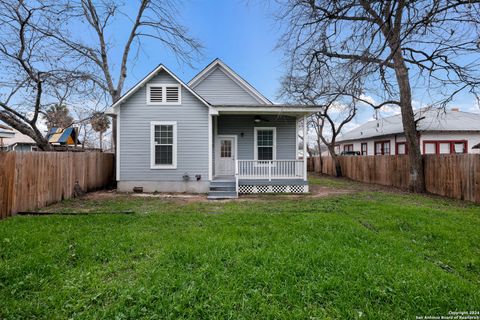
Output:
(273, 189)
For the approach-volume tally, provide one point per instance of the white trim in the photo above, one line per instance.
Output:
(164, 94)
(210, 148)
(152, 145)
(255, 146)
(267, 109)
(217, 144)
(232, 75)
(117, 146)
(142, 83)
(305, 143)
(297, 144)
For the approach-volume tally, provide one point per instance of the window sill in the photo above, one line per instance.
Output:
(164, 104)
(169, 167)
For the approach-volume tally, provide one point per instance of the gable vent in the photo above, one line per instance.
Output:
(156, 94)
(172, 95)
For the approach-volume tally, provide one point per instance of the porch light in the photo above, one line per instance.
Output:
(257, 119)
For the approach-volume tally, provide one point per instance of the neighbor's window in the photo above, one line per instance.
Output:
(158, 94)
(444, 147)
(430, 148)
(460, 147)
(364, 149)
(382, 147)
(348, 147)
(164, 147)
(265, 143)
(401, 148)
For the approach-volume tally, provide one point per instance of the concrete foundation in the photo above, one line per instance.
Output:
(165, 186)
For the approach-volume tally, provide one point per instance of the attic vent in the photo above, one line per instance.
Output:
(172, 94)
(163, 94)
(156, 94)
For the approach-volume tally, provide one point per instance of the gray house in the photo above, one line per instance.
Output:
(216, 134)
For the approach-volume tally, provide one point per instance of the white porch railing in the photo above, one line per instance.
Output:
(270, 169)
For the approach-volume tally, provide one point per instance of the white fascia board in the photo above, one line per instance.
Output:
(266, 110)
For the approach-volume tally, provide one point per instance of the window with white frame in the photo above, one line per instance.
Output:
(164, 94)
(265, 143)
(164, 145)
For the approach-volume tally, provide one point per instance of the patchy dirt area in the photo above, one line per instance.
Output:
(316, 191)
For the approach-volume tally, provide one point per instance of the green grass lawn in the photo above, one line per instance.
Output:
(366, 255)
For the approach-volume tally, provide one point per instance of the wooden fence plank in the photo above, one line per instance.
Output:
(455, 176)
(31, 180)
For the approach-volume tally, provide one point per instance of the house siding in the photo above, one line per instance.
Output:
(192, 140)
(238, 124)
(218, 88)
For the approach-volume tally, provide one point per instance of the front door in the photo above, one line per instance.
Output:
(225, 156)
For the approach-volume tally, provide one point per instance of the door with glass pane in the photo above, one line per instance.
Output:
(225, 156)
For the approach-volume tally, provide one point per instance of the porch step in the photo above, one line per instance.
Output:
(222, 189)
(218, 195)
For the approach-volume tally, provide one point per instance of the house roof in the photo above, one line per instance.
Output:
(18, 137)
(62, 136)
(217, 63)
(430, 120)
(6, 132)
(144, 81)
(264, 105)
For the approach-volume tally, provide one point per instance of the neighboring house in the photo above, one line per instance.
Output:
(217, 133)
(439, 132)
(62, 137)
(13, 140)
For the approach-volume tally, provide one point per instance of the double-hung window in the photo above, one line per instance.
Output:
(163, 145)
(364, 148)
(265, 143)
(401, 148)
(348, 147)
(382, 147)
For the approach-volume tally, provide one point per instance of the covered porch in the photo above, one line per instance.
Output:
(258, 150)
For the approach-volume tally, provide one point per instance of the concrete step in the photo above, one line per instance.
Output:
(222, 184)
(222, 188)
(217, 195)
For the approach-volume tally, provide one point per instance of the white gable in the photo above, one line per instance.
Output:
(220, 85)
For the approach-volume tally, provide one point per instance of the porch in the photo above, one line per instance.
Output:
(258, 153)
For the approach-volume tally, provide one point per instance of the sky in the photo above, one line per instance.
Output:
(244, 34)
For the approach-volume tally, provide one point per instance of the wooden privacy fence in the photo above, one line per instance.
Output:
(31, 180)
(455, 176)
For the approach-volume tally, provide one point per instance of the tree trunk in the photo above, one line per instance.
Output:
(101, 140)
(336, 161)
(33, 133)
(319, 146)
(417, 176)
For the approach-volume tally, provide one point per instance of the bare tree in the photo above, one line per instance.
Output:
(336, 93)
(395, 43)
(154, 20)
(35, 74)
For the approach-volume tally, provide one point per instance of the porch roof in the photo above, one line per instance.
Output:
(265, 109)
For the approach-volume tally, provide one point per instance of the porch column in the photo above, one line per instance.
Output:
(305, 142)
(297, 130)
(210, 147)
